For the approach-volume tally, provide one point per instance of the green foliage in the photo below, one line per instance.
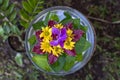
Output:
(82, 45)
(18, 59)
(32, 40)
(38, 25)
(70, 60)
(8, 19)
(59, 64)
(42, 62)
(30, 9)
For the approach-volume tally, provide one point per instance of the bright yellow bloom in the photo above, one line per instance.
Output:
(46, 33)
(70, 33)
(57, 50)
(59, 26)
(46, 47)
(69, 44)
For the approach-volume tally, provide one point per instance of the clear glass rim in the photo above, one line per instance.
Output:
(93, 39)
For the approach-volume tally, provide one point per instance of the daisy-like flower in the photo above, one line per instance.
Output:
(57, 50)
(59, 26)
(69, 44)
(46, 33)
(70, 33)
(45, 46)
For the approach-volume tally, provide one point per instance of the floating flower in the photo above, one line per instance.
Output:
(69, 44)
(45, 46)
(46, 33)
(57, 50)
(61, 36)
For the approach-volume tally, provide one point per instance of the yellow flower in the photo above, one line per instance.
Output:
(59, 26)
(57, 50)
(70, 33)
(46, 47)
(69, 44)
(46, 33)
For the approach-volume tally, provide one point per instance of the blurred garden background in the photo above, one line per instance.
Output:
(15, 16)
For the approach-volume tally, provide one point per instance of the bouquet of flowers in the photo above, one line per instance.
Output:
(58, 44)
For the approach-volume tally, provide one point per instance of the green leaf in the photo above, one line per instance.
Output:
(76, 23)
(47, 18)
(24, 24)
(5, 4)
(42, 62)
(70, 60)
(24, 16)
(15, 30)
(32, 40)
(26, 6)
(32, 3)
(13, 16)
(1, 31)
(59, 64)
(1, 1)
(79, 57)
(10, 9)
(6, 28)
(66, 20)
(54, 17)
(67, 15)
(82, 45)
(18, 59)
(38, 25)
(84, 28)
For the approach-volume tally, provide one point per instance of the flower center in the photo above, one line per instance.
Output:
(47, 33)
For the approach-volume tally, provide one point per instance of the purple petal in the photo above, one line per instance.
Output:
(70, 52)
(63, 32)
(54, 43)
(69, 25)
(51, 23)
(37, 33)
(37, 49)
(77, 35)
(52, 59)
(61, 43)
(55, 30)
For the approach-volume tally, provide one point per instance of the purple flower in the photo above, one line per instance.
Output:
(61, 36)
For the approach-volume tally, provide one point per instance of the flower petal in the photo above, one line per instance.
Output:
(69, 25)
(54, 43)
(52, 59)
(63, 34)
(37, 33)
(55, 30)
(70, 52)
(77, 35)
(37, 49)
(51, 23)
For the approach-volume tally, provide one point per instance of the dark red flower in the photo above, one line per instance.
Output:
(52, 59)
(77, 35)
(37, 49)
(51, 23)
(69, 25)
(37, 34)
(70, 52)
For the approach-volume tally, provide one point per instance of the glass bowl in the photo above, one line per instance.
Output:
(90, 36)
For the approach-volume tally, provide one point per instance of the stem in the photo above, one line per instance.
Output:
(102, 20)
